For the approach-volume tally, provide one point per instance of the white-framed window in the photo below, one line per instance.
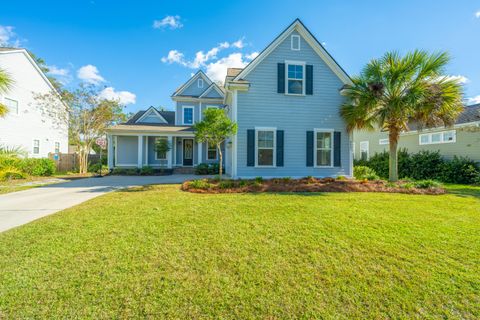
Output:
(187, 115)
(323, 145)
(211, 152)
(438, 137)
(353, 150)
(295, 76)
(36, 146)
(265, 147)
(158, 154)
(383, 141)
(295, 42)
(364, 150)
(57, 147)
(12, 105)
(200, 83)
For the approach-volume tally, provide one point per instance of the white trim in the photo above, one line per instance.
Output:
(300, 28)
(195, 99)
(442, 136)
(156, 153)
(183, 152)
(234, 138)
(55, 147)
(146, 151)
(33, 149)
(315, 149)
(200, 83)
(191, 80)
(140, 151)
(110, 151)
(367, 143)
(183, 115)
(216, 152)
(295, 63)
(384, 142)
(148, 112)
(274, 149)
(217, 88)
(294, 36)
(5, 98)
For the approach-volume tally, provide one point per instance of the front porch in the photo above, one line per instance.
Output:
(137, 151)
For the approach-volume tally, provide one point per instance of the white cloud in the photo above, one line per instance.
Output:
(474, 100)
(251, 56)
(174, 56)
(172, 22)
(238, 44)
(8, 37)
(218, 70)
(90, 74)
(55, 71)
(124, 97)
(477, 14)
(459, 78)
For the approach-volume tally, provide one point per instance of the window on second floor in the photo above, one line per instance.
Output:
(36, 146)
(200, 83)
(295, 78)
(188, 115)
(12, 105)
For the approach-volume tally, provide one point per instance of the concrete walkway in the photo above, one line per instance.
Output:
(21, 207)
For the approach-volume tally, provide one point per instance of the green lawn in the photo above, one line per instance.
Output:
(164, 253)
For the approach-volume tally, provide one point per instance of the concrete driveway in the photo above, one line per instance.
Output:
(21, 207)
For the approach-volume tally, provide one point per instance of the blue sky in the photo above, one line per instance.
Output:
(141, 51)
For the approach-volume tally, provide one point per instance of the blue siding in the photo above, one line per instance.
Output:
(262, 106)
(213, 94)
(194, 90)
(151, 154)
(127, 151)
(179, 111)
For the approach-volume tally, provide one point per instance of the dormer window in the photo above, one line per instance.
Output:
(200, 83)
(295, 42)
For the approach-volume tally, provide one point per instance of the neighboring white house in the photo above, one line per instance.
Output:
(26, 126)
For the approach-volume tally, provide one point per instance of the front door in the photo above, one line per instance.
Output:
(187, 152)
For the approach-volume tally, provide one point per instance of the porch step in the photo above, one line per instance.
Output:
(184, 170)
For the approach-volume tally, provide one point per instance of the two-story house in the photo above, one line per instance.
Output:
(286, 103)
(26, 125)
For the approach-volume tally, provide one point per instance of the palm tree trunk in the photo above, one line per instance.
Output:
(393, 159)
(221, 160)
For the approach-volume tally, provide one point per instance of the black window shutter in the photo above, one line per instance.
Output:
(309, 78)
(281, 78)
(280, 148)
(309, 148)
(337, 147)
(250, 148)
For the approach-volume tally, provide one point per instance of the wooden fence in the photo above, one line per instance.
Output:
(69, 161)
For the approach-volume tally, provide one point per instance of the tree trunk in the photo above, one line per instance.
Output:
(83, 160)
(220, 163)
(393, 159)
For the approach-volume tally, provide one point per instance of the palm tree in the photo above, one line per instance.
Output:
(5, 83)
(393, 91)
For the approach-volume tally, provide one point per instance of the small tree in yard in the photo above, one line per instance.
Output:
(87, 114)
(394, 91)
(214, 129)
(5, 84)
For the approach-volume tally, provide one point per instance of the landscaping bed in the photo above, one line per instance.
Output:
(311, 184)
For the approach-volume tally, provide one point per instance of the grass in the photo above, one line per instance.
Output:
(157, 252)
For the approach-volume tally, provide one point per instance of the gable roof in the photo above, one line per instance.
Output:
(149, 111)
(168, 116)
(215, 87)
(187, 84)
(298, 26)
(469, 114)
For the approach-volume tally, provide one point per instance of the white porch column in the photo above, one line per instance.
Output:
(170, 152)
(110, 151)
(174, 150)
(140, 151)
(199, 157)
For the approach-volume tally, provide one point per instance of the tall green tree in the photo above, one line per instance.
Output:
(214, 129)
(5, 84)
(395, 90)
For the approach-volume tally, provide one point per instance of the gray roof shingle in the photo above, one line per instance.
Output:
(169, 116)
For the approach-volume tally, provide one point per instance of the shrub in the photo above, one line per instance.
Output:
(200, 184)
(214, 168)
(7, 160)
(7, 173)
(426, 184)
(425, 165)
(146, 171)
(363, 172)
(125, 171)
(94, 167)
(226, 184)
(341, 178)
(460, 170)
(38, 166)
(379, 162)
(202, 169)
(259, 179)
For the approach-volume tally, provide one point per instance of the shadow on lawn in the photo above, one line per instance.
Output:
(464, 191)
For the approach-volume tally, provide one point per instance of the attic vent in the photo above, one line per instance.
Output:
(200, 83)
(295, 42)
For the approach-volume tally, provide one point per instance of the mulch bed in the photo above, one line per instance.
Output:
(305, 185)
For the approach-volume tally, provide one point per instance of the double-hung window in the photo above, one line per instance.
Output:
(160, 155)
(324, 148)
(265, 142)
(295, 78)
(211, 152)
(36, 146)
(12, 105)
(187, 115)
(364, 150)
(57, 147)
